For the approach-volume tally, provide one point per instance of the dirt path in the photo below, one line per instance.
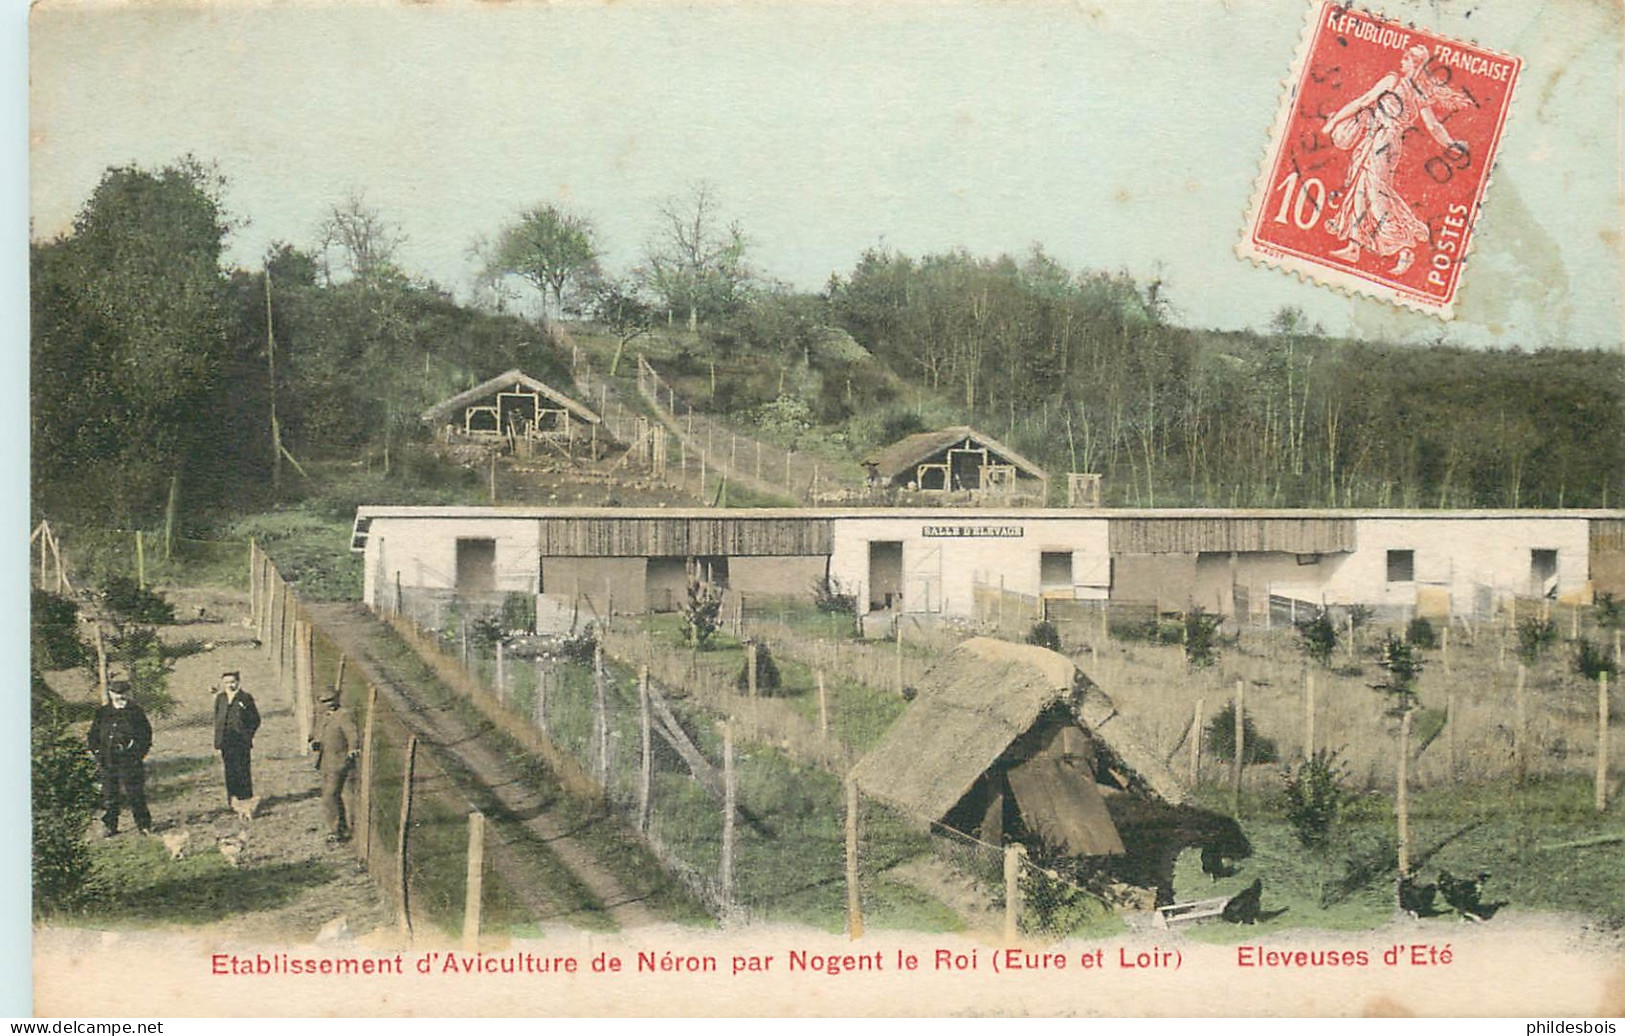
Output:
(433, 714)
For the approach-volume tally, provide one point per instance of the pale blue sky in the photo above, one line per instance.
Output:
(1119, 136)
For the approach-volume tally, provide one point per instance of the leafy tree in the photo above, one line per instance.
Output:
(615, 304)
(141, 653)
(1314, 794)
(1535, 635)
(832, 597)
(546, 247)
(1201, 638)
(129, 340)
(702, 612)
(1399, 659)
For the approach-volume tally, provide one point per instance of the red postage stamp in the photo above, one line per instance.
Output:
(1380, 158)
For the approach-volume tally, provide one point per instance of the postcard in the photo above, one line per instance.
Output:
(828, 508)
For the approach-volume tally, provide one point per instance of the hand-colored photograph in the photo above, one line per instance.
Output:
(829, 508)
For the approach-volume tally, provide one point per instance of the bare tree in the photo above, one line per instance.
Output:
(695, 262)
(360, 240)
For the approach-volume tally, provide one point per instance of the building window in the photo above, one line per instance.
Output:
(1543, 570)
(1055, 570)
(1402, 566)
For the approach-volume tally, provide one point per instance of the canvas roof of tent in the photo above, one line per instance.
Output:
(901, 456)
(502, 382)
(972, 705)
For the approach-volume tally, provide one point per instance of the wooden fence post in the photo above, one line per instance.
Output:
(541, 696)
(403, 905)
(1602, 742)
(476, 881)
(364, 807)
(899, 652)
(1240, 745)
(1196, 741)
(600, 715)
(725, 876)
(854, 905)
(502, 690)
(1450, 735)
(646, 741)
(140, 561)
(1308, 715)
(1012, 891)
(1402, 811)
(823, 705)
(1520, 750)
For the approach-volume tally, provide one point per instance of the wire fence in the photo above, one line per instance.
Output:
(739, 795)
(411, 824)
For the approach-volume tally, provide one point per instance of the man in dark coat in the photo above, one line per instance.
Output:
(337, 747)
(235, 721)
(120, 736)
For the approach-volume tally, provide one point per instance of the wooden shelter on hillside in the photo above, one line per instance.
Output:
(957, 460)
(1012, 742)
(512, 407)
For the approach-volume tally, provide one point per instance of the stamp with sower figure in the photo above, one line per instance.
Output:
(1380, 157)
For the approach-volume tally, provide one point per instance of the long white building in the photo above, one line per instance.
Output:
(939, 561)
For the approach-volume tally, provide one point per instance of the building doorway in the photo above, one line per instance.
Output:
(476, 566)
(885, 574)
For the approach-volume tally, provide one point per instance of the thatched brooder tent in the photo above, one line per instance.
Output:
(1010, 742)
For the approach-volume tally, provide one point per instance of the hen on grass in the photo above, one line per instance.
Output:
(1463, 895)
(1243, 907)
(1415, 898)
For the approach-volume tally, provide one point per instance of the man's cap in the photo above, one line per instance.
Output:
(232, 673)
(119, 687)
(329, 698)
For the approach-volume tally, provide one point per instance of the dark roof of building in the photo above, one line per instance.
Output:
(502, 382)
(900, 457)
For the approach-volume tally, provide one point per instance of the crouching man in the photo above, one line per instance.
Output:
(337, 747)
(120, 737)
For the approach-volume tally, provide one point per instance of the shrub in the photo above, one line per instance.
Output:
(1610, 611)
(1591, 661)
(519, 612)
(1314, 794)
(1420, 632)
(1319, 636)
(581, 647)
(1534, 637)
(65, 799)
(767, 672)
(486, 631)
(1045, 635)
(702, 611)
(129, 602)
(1221, 738)
(54, 632)
(832, 598)
(1360, 615)
(1201, 636)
